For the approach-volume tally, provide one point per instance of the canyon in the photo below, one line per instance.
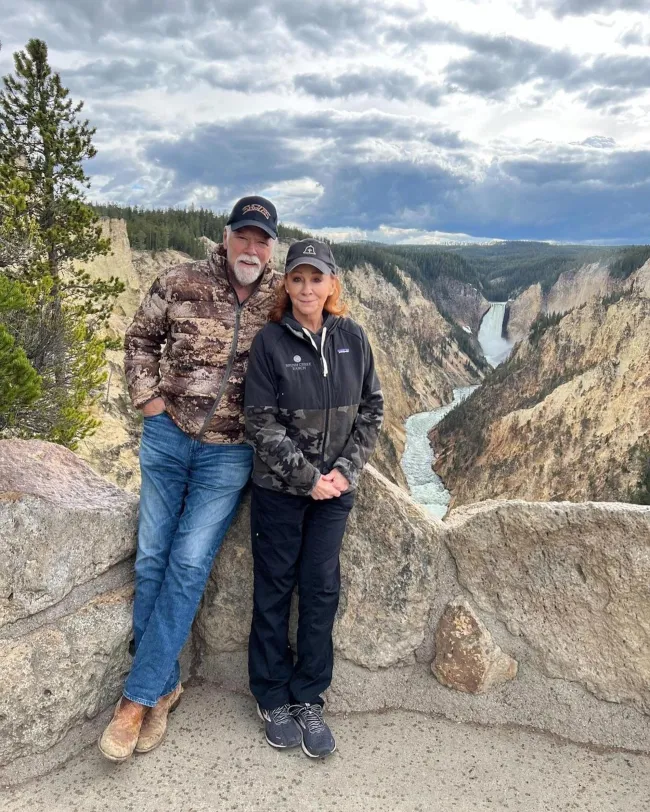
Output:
(567, 416)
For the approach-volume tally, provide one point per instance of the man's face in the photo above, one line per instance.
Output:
(248, 249)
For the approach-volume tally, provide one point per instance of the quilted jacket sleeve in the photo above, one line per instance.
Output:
(143, 344)
(367, 424)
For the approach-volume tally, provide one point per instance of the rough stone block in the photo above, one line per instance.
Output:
(61, 525)
(573, 580)
(388, 572)
(467, 658)
(62, 674)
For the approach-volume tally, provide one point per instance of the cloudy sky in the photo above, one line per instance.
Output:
(398, 120)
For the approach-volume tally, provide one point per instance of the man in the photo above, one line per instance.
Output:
(185, 358)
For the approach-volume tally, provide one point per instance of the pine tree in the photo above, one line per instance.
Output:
(20, 384)
(47, 230)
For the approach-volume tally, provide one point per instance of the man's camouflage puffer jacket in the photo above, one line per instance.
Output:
(193, 312)
(313, 403)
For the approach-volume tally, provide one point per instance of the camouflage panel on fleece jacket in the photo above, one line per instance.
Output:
(189, 343)
(313, 403)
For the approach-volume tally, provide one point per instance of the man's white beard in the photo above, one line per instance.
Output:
(247, 274)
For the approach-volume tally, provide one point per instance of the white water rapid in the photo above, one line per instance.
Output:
(425, 485)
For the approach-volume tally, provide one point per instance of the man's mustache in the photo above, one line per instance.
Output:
(252, 260)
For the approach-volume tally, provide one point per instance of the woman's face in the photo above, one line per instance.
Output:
(308, 290)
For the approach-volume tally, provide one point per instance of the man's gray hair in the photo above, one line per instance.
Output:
(227, 231)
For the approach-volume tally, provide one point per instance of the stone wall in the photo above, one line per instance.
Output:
(66, 537)
(506, 613)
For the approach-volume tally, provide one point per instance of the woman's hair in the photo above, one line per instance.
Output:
(282, 302)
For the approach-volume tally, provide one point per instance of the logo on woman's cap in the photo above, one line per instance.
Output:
(310, 250)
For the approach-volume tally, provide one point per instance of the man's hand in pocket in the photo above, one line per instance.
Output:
(153, 407)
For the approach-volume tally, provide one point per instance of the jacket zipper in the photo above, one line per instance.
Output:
(231, 358)
(226, 375)
(326, 387)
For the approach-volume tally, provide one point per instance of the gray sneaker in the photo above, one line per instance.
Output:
(280, 727)
(317, 739)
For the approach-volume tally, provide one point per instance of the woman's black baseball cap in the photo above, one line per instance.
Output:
(311, 252)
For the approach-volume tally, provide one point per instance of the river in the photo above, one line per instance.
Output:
(424, 484)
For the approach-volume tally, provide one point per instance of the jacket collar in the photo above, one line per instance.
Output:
(294, 326)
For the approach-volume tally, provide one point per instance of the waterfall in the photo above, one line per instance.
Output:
(495, 347)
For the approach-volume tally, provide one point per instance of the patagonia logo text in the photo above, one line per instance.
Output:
(256, 207)
(344, 349)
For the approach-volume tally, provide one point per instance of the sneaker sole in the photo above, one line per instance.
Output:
(317, 755)
(273, 744)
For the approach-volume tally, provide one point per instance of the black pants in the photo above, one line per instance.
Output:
(296, 540)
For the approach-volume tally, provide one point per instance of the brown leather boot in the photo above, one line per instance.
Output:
(154, 726)
(118, 741)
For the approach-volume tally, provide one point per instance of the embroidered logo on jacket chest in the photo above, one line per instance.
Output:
(298, 364)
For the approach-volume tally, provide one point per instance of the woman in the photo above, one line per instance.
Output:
(313, 411)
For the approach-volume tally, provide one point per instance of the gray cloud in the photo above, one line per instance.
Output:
(577, 191)
(625, 72)
(598, 142)
(577, 167)
(343, 169)
(495, 65)
(279, 146)
(114, 77)
(637, 35)
(599, 98)
(181, 36)
(390, 84)
(581, 8)
(317, 23)
(508, 63)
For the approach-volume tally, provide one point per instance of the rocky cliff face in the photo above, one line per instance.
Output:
(462, 302)
(112, 450)
(566, 418)
(572, 289)
(418, 360)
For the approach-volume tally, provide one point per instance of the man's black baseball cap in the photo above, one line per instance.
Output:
(254, 211)
(311, 252)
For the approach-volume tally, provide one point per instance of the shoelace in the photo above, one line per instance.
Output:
(312, 716)
(282, 715)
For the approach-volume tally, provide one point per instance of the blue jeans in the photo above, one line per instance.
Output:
(190, 492)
